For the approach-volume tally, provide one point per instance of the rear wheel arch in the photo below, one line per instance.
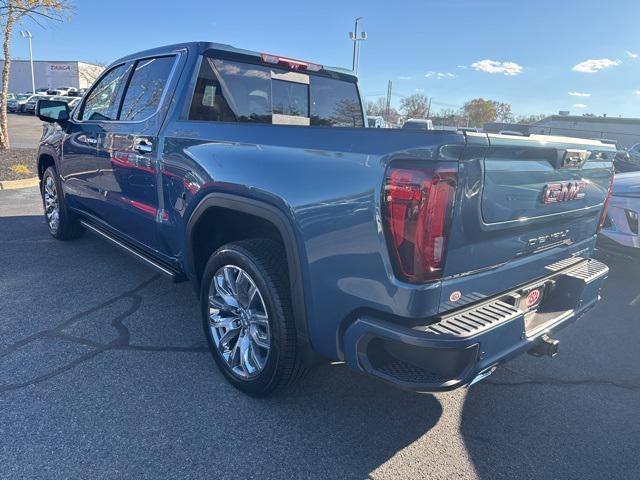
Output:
(263, 221)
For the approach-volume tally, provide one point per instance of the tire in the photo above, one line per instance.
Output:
(258, 263)
(62, 225)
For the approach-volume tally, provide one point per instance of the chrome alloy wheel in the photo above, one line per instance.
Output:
(238, 321)
(51, 204)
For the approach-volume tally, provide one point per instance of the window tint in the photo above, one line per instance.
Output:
(208, 103)
(335, 103)
(146, 87)
(102, 102)
(239, 92)
(290, 98)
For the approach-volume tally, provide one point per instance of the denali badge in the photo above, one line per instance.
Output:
(549, 238)
(563, 192)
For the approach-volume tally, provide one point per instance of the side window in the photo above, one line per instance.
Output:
(102, 102)
(145, 89)
(208, 103)
(335, 104)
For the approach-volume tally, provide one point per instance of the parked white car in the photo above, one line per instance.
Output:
(418, 124)
(620, 233)
(71, 101)
(374, 121)
(62, 91)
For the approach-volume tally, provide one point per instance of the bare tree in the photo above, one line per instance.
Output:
(347, 114)
(379, 109)
(375, 108)
(450, 117)
(11, 13)
(503, 112)
(89, 72)
(528, 119)
(415, 106)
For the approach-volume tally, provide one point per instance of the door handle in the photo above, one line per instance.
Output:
(142, 145)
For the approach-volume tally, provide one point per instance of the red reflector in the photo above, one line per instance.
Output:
(533, 298)
(417, 209)
(290, 62)
(605, 207)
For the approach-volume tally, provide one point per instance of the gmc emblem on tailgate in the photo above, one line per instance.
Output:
(564, 192)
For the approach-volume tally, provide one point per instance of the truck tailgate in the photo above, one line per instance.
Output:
(525, 203)
(533, 177)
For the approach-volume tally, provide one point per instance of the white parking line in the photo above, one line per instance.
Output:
(635, 302)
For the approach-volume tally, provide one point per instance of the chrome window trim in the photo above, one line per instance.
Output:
(177, 54)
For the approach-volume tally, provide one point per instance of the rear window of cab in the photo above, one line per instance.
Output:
(230, 91)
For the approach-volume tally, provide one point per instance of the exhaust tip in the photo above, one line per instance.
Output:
(546, 347)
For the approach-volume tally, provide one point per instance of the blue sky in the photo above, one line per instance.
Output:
(437, 47)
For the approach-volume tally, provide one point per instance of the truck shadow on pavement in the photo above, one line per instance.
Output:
(105, 353)
(574, 416)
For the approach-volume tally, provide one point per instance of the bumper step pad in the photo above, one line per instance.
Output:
(588, 271)
(473, 321)
(464, 346)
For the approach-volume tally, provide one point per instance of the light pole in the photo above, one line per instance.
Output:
(356, 46)
(27, 34)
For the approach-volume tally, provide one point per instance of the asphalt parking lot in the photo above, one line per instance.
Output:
(104, 373)
(24, 130)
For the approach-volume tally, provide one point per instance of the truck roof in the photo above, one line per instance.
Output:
(201, 47)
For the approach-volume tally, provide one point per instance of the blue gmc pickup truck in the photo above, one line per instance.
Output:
(423, 258)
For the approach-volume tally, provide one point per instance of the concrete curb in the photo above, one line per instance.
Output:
(24, 183)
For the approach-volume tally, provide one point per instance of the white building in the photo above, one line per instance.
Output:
(51, 74)
(624, 131)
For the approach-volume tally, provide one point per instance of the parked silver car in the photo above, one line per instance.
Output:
(17, 104)
(620, 233)
(628, 160)
(30, 106)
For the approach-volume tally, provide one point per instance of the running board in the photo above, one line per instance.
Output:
(175, 275)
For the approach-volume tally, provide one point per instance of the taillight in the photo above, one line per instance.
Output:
(605, 207)
(290, 62)
(417, 209)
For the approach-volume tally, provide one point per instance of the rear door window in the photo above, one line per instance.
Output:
(146, 87)
(231, 91)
